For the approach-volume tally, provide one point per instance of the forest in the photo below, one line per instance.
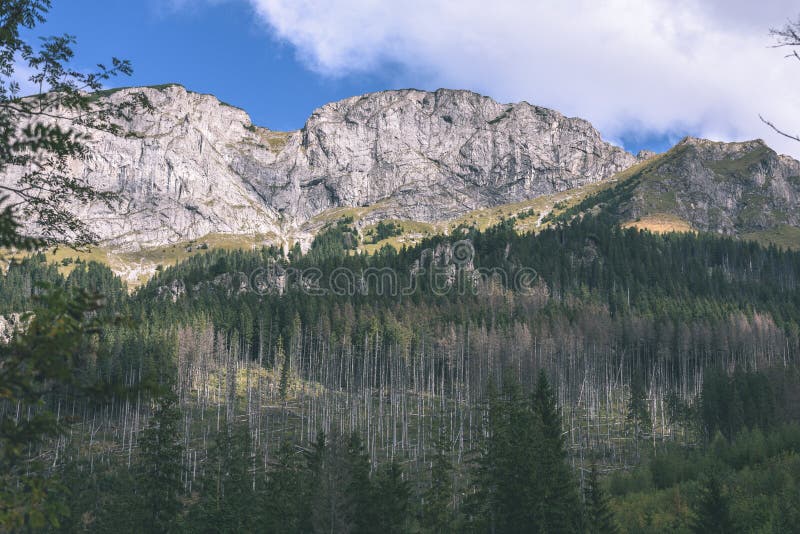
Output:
(649, 381)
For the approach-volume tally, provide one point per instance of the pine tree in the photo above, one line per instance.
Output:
(556, 492)
(437, 513)
(359, 487)
(504, 496)
(283, 358)
(390, 502)
(599, 517)
(342, 491)
(330, 478)
(158, 475)
(638, 411)
(712, 509)
(227, 491)
(286, 503)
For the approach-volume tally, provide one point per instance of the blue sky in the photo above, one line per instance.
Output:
(644, 72)
(220, 49)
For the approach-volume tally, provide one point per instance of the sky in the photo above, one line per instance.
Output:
(645, 72)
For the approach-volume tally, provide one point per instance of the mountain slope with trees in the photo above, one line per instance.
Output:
(738, 189)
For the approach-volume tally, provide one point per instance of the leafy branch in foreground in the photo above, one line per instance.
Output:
(39, 134)
(35, 366)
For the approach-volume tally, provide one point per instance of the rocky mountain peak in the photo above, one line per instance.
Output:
(194, 166)
(742, 188)
(434, 155)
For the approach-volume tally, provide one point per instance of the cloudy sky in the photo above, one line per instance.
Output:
(645, 72)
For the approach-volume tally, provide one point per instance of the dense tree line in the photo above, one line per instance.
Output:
(438, 393)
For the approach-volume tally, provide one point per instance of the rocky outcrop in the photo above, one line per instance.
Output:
(9, 325)
(431, 156)
(194, 166)
(729, 188)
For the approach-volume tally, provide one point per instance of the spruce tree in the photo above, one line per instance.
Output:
(638, 412)
(599, 517)
(390, 502)
(286, 503)
(712, 514)
(330, 478)
(437, 512)
(504, 496)
(283, 358)
(158, 475)
(359, 486)
(556, 491)
(227, 495)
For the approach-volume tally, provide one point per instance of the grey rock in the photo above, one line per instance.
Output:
(432, 156)
(195, 166)
(644, 155)
(727, 188)
(174, 291)
(9, 325)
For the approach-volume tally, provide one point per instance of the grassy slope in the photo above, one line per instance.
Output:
(137, 267)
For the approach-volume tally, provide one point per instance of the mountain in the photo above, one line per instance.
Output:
(740, 189)
(194, 166)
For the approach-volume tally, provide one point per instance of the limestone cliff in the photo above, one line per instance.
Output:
(193, 165)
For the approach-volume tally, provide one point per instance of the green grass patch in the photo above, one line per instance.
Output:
(727, 169)
(783, 236)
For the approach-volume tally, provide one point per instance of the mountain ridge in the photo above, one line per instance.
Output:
(196, 171)
(743, 189)
(195, 166)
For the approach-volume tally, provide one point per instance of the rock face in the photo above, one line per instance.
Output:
(195, 166)
(9, 325)
(729, 188)
(429, 156)
(171, 170)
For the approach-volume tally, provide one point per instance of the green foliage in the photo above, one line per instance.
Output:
(523, 481)
(344, 495)
(599, 517)
(558, 508)
(286, 370)
(359, 488)
(383, 230)
(437, 508)
(54, 351)
(286, 500)
(627, 291)
(31, 139)
(755, 487)
(729, 404)
(227, 500)
(41, 362)
(390, 503)
(158, 478)
(713, 509)
(332, 243)
(638, 411)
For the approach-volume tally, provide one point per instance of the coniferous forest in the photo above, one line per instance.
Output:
(633, 382)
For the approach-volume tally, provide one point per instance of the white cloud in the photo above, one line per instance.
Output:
(656, 66)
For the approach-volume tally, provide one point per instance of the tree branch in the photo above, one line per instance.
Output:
(777, 130)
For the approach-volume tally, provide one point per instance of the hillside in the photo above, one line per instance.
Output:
(744, 190)
(632, 329)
